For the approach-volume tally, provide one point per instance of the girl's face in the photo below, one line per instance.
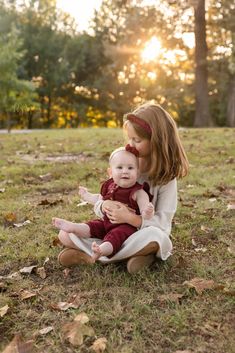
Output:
(142, 145)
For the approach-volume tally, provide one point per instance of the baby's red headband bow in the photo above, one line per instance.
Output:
(132, 150)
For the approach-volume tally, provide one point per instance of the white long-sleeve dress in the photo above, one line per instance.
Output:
(157, 229)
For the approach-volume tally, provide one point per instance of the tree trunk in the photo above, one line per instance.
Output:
(202, 115)
(8, 122)
(49, 111)
(30, 119)
(230, 121)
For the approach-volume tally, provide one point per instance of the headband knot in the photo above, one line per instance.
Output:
(132, 150)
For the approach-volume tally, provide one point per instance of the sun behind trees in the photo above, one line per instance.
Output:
(131, 54)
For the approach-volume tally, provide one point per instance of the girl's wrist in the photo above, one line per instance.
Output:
(135, 220)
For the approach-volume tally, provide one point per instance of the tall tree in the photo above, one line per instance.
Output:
(202, 115)
(16, 95)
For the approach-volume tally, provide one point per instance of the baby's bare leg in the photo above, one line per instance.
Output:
(80, 229)
(105, 249)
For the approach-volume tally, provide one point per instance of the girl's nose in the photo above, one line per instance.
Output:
(131, 143)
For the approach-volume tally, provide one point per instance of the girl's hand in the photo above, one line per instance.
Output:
(110, 205)
(120, 214)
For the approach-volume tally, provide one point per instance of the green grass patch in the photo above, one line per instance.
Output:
(39, 177)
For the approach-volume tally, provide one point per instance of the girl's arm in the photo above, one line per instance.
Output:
(165, 203)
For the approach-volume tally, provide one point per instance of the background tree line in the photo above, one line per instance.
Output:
(53, 76)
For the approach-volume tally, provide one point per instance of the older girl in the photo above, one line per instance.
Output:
(153, 132)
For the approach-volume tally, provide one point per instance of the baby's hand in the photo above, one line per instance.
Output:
(148, 212)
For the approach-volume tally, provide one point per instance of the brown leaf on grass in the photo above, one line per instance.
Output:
(26, 294)
(15, 276)
(171, 297)
(82, 318)
(99, 345)
(46, 202)
(66, 272)
(74, 332)
(9, 219)
(17, 345)
(206, 229)
(4, 310)
(41, 272)
(200, 284)
(56, 242)
(63, 306)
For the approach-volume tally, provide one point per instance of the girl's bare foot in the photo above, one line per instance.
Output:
(96, 251)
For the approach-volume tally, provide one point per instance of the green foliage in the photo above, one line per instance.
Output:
(16, 95)
(76, 73)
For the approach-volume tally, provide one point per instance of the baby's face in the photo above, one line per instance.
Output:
(124, 169)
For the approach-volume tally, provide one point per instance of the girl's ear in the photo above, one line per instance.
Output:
(109, 170)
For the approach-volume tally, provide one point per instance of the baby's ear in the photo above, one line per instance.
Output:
(109, 171)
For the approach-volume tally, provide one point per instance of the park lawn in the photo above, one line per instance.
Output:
(164, 309)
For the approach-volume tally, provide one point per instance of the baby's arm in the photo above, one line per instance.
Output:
(88, 196)
(146, 207)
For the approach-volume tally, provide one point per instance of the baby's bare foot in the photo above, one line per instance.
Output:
(96, 251)
(62, 224)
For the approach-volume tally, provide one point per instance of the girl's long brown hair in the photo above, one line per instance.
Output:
(168, 159)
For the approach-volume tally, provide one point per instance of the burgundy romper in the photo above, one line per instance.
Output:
(116, 234)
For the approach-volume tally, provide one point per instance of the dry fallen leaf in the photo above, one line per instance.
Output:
(82, 318)
(4, 310)
(17, 345)
(99, 345)
(206, 229)
(74, 332)
(18, 225)
(27, 269)
(171, 297)
(26, 294)
(9, 219)
(200, 284)
(83, 203)
(63, 306)
(46, 330)
(41, 272)
(15, 275)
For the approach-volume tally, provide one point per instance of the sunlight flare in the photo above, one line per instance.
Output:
(151, 50)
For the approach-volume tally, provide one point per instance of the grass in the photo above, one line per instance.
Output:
(130, 311)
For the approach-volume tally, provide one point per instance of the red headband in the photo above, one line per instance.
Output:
(132, 150)
(143, 124)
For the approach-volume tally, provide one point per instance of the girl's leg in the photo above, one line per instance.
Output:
(80, 229)
(151, 248)
(143, 258)
(71, 255)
